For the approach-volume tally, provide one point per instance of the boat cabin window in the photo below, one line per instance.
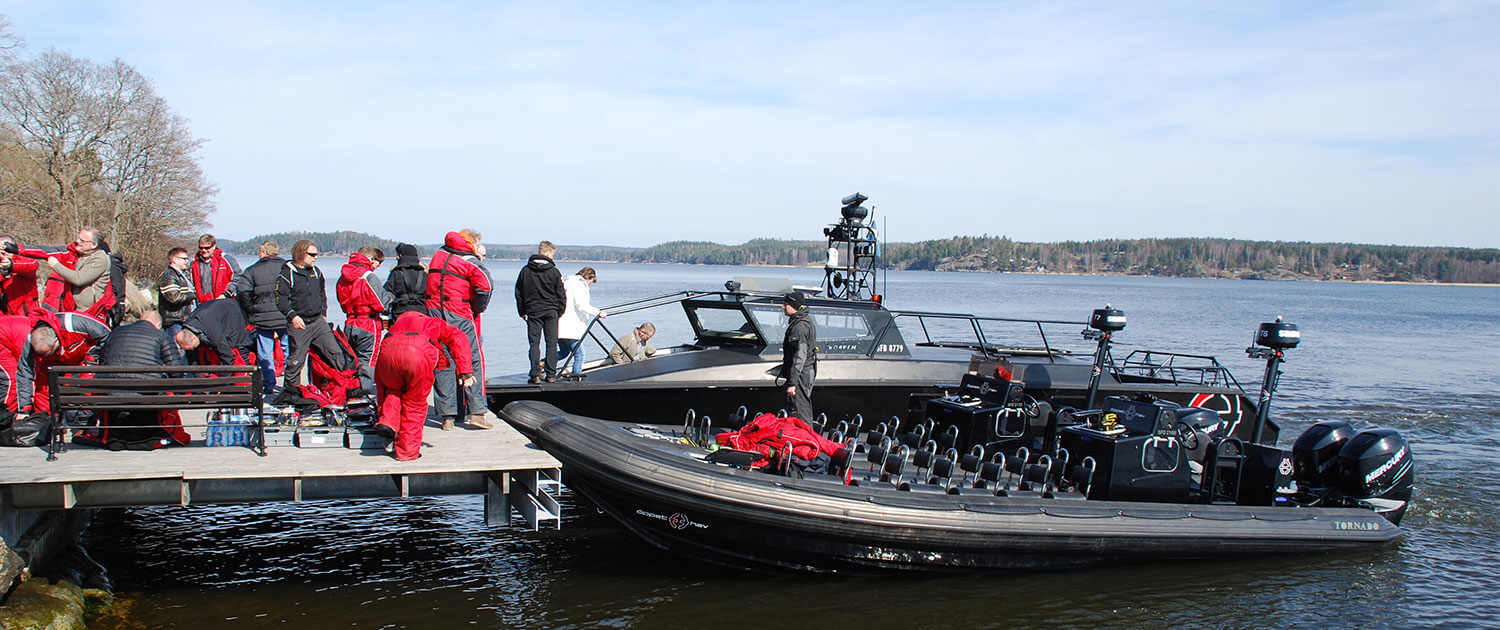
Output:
(840, 330)
(726, 325)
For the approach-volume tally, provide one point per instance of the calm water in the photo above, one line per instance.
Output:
(1420, 359)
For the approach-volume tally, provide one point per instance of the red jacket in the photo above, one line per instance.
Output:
(57, 296)
(434, 331)
(77, 334)
(772, 436)
(18, 294)
(13, 332)
(222, 274)
(455, 280)
(359, 290)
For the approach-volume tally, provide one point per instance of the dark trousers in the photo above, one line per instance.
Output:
(801, 404)
(317, 334)
(536, 328)
(445, 393)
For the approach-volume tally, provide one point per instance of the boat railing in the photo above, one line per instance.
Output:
(1177, 368)
(641, 304)
(974, 325)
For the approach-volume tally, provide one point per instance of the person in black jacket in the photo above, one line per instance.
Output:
(799, 356)
(302, 296)
(175, 291)
(139, 343)
(407, 282)
(540, 298)
(217, 334)
(256, 291)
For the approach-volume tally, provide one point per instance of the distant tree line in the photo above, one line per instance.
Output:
(91, 144)
(331, 242)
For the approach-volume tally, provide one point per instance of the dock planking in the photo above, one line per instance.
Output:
(499, 463)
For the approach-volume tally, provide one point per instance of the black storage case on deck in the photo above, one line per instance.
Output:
(976, 411)
(1143, 463)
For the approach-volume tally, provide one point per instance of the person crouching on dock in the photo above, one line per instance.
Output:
(409, 359)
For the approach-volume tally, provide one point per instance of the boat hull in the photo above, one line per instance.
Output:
(669, 497)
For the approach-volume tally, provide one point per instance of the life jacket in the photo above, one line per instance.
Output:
(18, 293)
(455, 281)
(355, 290)
(774, 437)
(331, 378)
(55, 294)
(222, 274)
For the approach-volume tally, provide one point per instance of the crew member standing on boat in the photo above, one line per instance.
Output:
(799, 356)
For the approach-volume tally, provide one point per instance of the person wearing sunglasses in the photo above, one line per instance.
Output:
(302, 295)
(213, 272)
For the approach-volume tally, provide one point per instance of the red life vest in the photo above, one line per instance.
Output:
(453, 279)
(222, 274)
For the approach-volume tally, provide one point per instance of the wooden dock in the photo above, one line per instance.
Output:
(499, 463)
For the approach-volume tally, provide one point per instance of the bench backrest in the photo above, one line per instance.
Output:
(122, 387)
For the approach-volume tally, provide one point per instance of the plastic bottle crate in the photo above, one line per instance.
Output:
(280, 436)
(320, 437)
(364, 438)
(229, 429)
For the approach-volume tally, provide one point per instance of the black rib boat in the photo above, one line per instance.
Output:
(1138, 479)
(871, 360)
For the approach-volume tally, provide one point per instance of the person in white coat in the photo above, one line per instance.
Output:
(577, 313)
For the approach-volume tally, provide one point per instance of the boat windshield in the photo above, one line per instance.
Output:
(723, 325)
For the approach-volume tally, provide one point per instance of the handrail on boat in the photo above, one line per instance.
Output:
(976, 323)
(630, 306)
(1161, 364)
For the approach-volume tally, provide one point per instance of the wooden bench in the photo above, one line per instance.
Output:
(80, 388)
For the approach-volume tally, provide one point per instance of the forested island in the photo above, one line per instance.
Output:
(1169, 257)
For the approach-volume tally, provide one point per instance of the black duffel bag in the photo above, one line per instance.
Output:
(26, 430)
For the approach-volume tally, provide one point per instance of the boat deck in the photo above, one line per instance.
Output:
(498, 463)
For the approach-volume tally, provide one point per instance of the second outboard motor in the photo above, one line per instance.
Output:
(1315, 453)
(1375, 469)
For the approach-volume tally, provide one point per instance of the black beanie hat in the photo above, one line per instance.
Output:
(407, 250)
(795, 299)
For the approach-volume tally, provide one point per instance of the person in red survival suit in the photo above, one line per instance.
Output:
(55, 339)
(404, 375)
(213, 273)
(14, 331)
(18, 294)
(458, 290)
(361, 294)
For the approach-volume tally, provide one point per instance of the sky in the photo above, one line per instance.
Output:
(635, 123)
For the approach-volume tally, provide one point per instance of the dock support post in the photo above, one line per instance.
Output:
(497, 500)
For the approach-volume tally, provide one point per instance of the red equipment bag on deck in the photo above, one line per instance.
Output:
(774, 436)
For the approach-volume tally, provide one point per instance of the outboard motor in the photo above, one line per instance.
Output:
(1375, 470)
(1272, 338)
(1102, 323)
(1315, 453)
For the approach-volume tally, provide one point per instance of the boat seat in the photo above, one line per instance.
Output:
(732, 457)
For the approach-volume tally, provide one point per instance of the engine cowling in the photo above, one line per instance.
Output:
(1375, 468)
(1315, 453)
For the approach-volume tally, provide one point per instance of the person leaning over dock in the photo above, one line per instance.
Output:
(799, 356)
(302, 296)
(212, 272)
(18, 293)
(361, 296)
(632, 346)
(142, 343)
(458, 290)
(175, 291)
(576, 315)
(55, 339)
(256, 291)
(539, 301)
(216, 334)
(415, 349)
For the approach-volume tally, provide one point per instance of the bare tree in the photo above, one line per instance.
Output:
(92, 144)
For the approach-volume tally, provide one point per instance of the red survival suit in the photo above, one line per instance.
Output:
(18, 294)
(404, 375)
(209, 288)
(14, 329)
(77, 334)
(362, 296)
(773, 437)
